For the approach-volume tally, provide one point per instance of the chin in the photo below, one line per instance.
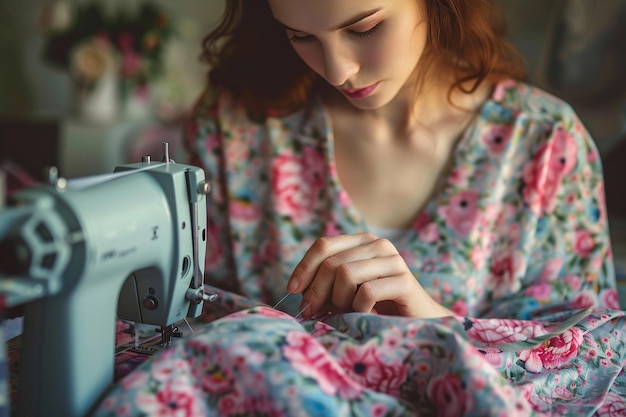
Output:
(369, 103)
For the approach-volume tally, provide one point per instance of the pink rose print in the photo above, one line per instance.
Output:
(540, 291)
(498, 222)
(408, 256)
(459, 176)
(593, 156)
(309, 357)
(422, 220)
(583, 243)
(170, 401)
(378, 410)
(232, 403)
(610, 299)
(460, 308)
(344, 199)
(462, 213)
(554, 352)
(331, 229)
(218, 379)
(449, 396)
(237, 151)
(506, 272)
(314, 163)
(584, 299)
(492, 355)
(501, 89)
(562, 393)
(206, 367)
(166, 370)
(494, 332)
(543, 175)
(366, 367)
(613, 406)
(244, 211)
(297, 181)
(573, 281)
(498, 138)
(321, 329)
(479, 255)
(551, 270)
(430, 233)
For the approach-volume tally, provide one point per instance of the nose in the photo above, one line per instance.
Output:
(339, 64)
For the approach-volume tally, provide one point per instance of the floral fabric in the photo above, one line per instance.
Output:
(515, 242)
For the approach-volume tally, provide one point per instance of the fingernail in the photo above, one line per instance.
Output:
(293, 285)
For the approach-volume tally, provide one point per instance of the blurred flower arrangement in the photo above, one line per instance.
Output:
(91, 44)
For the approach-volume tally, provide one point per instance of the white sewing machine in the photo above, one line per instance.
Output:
(70, 250)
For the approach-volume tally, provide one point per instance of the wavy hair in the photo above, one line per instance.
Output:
(250, 56)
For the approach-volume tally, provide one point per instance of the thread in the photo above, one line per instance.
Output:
(281, 300)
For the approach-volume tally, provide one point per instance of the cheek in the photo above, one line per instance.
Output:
(311, 56)
(404, 51)
(388, 54)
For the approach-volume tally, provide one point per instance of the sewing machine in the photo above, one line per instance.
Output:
(69, 250)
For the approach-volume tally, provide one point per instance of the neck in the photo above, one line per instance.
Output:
(433, 103)
(418, 109)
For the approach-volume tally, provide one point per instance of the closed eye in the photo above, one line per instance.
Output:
(369, 32)
(308, 38)
(297, 39)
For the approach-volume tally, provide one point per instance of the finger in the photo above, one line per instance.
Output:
(400, 289)
(339, 266)
(349, 276)
(322, 248)
(407, 295)
(320, 290)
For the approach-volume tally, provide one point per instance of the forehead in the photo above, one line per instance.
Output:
(319, 15)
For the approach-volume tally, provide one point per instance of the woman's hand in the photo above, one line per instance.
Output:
(360, 273)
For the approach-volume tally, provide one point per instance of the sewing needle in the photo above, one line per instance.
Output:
(281, 300)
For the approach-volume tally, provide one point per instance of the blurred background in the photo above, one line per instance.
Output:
(71, 100)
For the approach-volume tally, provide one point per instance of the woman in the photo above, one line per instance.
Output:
(384, 160)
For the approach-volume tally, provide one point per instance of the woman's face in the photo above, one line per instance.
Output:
(367, 49)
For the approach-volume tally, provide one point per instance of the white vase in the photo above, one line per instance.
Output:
(99, 103)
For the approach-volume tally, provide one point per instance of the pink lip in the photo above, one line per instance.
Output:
(360, 92)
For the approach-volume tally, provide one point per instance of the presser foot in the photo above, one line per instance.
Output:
(168, 333)
(154, 344)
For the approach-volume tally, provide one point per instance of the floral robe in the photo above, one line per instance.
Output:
(515, 243)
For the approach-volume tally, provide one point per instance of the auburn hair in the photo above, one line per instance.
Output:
(250, 56)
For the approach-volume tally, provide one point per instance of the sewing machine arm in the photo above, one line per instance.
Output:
(128, 245)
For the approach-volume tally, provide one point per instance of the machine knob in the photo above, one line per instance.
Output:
(204, 188)
(150, 303)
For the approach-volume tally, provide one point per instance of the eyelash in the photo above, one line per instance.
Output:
(369, 32)
(361, 35)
